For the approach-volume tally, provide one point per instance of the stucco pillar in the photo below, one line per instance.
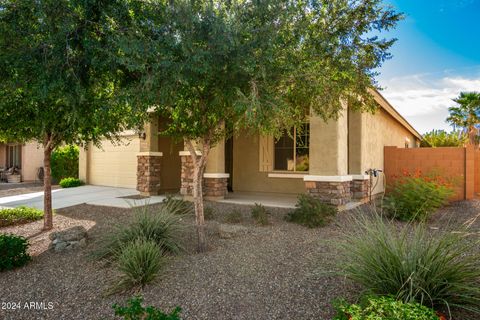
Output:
(149, 159)
(360, 186)
(355, 138)
(149, 137)
(328, 177)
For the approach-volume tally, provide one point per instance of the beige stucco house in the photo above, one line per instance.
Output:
(328, 160)
(27, 157)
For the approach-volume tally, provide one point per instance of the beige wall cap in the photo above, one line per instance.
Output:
(216, 175)
(287, 175)
(327, 178)
(360, 177)
(150, 153)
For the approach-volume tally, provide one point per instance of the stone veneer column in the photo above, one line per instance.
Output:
(329, 189)
(214, 183)
(186, 188)
(148, 172)
(328, 177)
(361, 188)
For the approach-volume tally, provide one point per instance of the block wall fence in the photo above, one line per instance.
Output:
(460, 165)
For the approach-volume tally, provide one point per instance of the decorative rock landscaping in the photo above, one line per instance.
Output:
(73, 238)
(283, 271)
(228, 231)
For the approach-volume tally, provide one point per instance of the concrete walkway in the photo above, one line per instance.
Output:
(276, 200)
(114, 197)
(94, 195)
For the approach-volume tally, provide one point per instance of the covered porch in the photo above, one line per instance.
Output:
(322, 159)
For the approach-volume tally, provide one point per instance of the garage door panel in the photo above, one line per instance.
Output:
(115, 165)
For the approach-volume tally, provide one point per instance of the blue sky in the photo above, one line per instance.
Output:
(437, 55)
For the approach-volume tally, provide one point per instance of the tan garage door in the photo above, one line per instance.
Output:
(115, 165)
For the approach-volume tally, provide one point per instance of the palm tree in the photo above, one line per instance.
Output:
(466, 116)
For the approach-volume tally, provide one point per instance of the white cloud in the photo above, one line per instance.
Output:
(424, 100)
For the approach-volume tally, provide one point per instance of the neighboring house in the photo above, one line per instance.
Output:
(328, 160)
(27, 157)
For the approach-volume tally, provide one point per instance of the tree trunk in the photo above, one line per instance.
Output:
(199, 164)
(198, 203)
(472, 133)
(47, 188)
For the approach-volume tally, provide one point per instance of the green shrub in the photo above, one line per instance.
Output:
(70, 183)
(181, 206)
(19, 215)
(234, 216)
(260, 214)
(139, 262)
(13, 251)
(380, 308)
(64, 162)
(441, 138)
(416, 198)
(412, 263)
(164, 227)
(311, 212)
(135, 311)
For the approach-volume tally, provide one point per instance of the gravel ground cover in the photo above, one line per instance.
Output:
(279, 271)
(13, 189)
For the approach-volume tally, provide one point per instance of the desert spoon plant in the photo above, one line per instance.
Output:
(140, 248)
(412, 263)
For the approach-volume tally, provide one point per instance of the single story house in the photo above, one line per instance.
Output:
(326, 159)
(26, 157)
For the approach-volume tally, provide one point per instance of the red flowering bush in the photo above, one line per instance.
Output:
(415, 196)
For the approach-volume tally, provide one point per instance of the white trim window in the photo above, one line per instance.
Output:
(291, 150)
(14, 156)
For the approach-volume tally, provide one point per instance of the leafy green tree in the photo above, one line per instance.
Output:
(466, 115)
(441, 138)
(215, 67)
(57, 82)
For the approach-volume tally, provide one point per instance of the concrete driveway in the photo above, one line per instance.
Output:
(94, 195)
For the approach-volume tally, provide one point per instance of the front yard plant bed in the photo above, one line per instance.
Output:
(280, 271)
(135, 311)
(383, 308)
(70, 183)
(20, 215)
(411, 262)
(311, 212)
(13, 251)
